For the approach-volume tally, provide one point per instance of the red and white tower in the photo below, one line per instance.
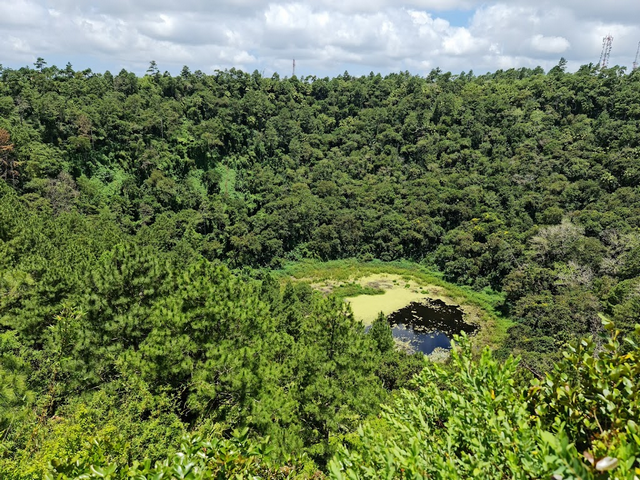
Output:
(607, 43)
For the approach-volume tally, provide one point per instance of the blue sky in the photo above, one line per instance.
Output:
(326, 37)
(457, 18)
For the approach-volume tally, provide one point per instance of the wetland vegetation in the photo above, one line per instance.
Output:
(372, 288)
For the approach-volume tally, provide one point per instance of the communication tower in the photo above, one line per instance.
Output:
(294, 68)
(635, 62)
(607, 42)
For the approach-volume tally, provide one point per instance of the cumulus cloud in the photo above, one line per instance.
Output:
(550, 44)
(325, 36)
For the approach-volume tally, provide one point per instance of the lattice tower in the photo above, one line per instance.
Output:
(607, 43)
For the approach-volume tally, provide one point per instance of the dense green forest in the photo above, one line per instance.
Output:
(142, 220)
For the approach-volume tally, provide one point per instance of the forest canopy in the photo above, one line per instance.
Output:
(142, 217)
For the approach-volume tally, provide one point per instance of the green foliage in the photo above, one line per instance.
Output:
(488, 301)
(461, 422)
(197, 459)
(15, 395)
(380, 332)
(592, 395)
(197, 344)
(121, 197)
(340, 386)
(469, 420)
(355, 289)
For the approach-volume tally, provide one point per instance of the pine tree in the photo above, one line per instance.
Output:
(381, 334)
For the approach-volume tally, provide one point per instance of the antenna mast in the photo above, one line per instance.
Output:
(294, 68)
(607, 43)
(635, 62)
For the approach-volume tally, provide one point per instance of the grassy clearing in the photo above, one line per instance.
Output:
(401, 282)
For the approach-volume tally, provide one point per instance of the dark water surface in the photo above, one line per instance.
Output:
(429, 324)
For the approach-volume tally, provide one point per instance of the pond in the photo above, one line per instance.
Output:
(429, 324)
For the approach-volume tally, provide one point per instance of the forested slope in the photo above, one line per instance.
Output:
(123, 198)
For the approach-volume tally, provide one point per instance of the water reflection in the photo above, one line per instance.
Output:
(429, 325)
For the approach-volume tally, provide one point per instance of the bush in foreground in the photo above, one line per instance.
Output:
(470, 420)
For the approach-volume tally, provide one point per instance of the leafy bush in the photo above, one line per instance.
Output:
(470, 420)
(197, 459)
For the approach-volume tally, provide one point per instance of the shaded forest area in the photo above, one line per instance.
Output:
(125, 200)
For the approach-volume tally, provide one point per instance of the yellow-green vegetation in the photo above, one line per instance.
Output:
(402, 282)
(367, 307)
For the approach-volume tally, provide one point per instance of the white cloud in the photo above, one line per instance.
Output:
(461, 42)
(21, 13)
(325, 36)
(550, 44)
